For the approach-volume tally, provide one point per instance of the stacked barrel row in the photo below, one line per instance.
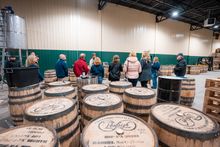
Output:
(58, 110)
(197, 69)
(50, 76)
(216, 59)
(166, 70)
(56, 118)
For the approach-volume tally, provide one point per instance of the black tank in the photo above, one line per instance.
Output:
(169, 88)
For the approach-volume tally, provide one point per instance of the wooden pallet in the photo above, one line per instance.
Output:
(215, 83)
(212, 103)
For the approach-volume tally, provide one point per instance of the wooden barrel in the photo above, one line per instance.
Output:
(118, 130)
(93, 89)
(96, 105)
(216, 60)
(85, 81)
(64, 91)
(50, 76)
(169, 88)
(180, 126)
(20, 99)
(60, 114)
(187, 91)
(122, 75)
(118, 87)
(216, 55)
(72, 77)
(59, 83)
(217, 50)
(166, 70)
(29, 136)
(138, 101)
(43, 85)
(215, 66)
(203, 68)
(194, 70)
(106, 82)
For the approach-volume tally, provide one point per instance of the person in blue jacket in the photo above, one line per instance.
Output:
(32, 61)
(154, 71)
(97, 69)
(61, 67)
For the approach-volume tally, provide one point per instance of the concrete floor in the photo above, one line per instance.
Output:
(5, 121)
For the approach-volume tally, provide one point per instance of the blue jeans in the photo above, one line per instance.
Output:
(154, 79)
(100, 79)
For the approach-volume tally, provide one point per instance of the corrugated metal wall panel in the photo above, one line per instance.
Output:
(201, 42)
(78, 25)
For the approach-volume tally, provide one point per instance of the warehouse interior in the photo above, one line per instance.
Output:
(165, 29)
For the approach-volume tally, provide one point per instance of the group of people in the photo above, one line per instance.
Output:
(31, 61)
(144, 70)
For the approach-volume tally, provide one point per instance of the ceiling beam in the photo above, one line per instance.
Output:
(195, 27)
(160, 18)
(177, 8)
(139, 4)
(102, 4)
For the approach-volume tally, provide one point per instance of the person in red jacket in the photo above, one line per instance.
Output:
(80, 66)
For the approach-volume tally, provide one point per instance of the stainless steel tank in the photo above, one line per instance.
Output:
(16, 32)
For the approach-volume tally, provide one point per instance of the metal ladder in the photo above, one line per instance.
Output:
(2, 43)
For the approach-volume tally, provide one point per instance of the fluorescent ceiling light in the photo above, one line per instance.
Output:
(175, 14)
(216, 27)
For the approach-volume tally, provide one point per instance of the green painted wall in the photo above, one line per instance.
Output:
(48, 58)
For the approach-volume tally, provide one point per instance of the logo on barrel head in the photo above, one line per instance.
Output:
(49, 108)
(110, 125)
(188, 119)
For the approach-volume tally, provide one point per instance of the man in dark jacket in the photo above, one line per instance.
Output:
(80, 66)
(61, 67)
(180, 68)
(12, 63)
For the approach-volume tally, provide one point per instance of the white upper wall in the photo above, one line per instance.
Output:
(200, 42)
(172, 37)
(125, 29)
(78, 25)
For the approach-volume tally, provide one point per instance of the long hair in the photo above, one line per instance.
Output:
(30, 60)
(156, 59)
(132, 54)
(97, 61)
(146, 55)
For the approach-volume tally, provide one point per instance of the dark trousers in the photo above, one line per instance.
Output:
(133, 81)
(144, 84)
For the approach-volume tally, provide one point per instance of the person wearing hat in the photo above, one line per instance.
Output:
(12, 63)
(180, 68)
